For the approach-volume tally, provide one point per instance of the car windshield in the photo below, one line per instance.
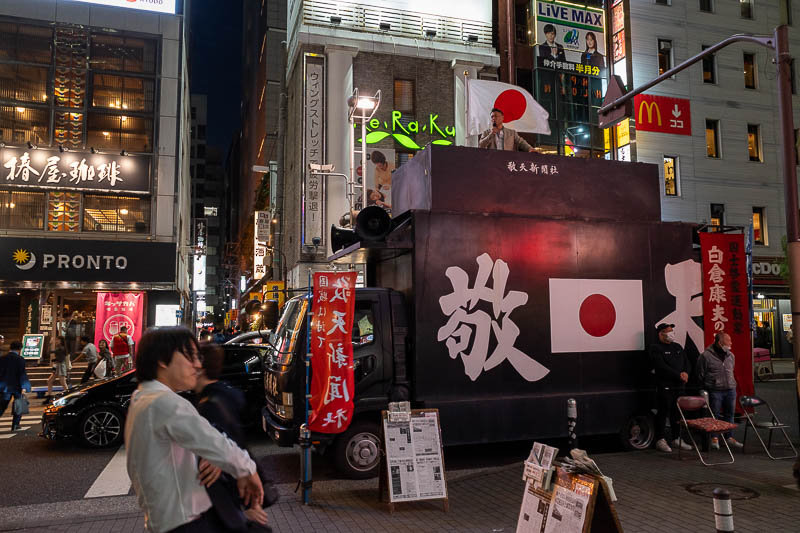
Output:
(283, 339)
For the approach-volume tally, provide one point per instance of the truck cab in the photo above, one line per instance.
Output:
(378, 326)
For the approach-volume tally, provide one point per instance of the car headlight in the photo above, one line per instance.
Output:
(69, 399)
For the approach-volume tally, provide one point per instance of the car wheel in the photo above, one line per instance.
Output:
(101, 427)
(638, 433)
(358, 451)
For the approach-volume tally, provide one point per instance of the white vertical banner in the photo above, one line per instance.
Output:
(313, 147)
(260, 237)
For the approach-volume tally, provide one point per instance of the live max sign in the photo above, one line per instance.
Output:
(662, 114)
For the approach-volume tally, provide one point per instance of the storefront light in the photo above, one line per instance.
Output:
(366, 103)
(760, 296)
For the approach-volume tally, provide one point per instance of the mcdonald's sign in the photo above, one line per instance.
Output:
(662, 114)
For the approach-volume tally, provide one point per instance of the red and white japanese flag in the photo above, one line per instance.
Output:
(520, 111)
(596, 315)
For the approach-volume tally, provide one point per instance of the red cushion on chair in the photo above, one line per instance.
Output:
(710, 425)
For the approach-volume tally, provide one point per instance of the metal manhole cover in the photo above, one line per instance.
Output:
(737, 492)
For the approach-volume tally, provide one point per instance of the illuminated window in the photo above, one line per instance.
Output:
(122, 93)
(709, 68)
(128, 214)
(63, 211)
(28, 44)
(759, 226)
(707, 6)
(120, 132)
(717, 214)
(754, 142)
(712, 138)
(21, 124)
(210, 211)
(21, 210)
(404, 96)
(750, 74)
(746, 8)
(664, 55)
(670, 175)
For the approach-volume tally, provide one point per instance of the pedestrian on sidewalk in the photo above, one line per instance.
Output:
(672, 373)
(89, 351)
(104, 354)
(59, 357)
(13, 379)
(222, 405)
(165, 436)
(121, 348)
(715, 373)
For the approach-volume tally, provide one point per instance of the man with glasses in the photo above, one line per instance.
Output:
(165, 436)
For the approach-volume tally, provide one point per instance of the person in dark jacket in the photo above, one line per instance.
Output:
(672, 372)
(715, 373)
(222, 405)
(13, 379)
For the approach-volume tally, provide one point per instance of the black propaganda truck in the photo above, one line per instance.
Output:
(506, 284)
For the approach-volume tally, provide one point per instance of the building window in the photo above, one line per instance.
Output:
(23, 83)
(664, 2)
(21, 124)
(707, 6)
(123, 93)
(709, 68)
(754, 142)
(201, 132)
(123, 54)
(194, 113)
(21, 210)
(119, 132)
(671, 175)
(128, 214)
(664, 55)
(759, 226)
(201, 151)
(717, 215)
(210, 211)
(712, 138)
(28, 44)
(746, 8)
(750, 75)
(404, 96)
(63, 211)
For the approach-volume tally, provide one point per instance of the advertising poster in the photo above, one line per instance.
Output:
(380, 165)
(726, 301)
(32, 346)
(332, 382)
(569, 33)
(534, 509)
(414, 458)
(117, 309)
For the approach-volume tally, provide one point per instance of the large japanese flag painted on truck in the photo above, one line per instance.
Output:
(596, 315)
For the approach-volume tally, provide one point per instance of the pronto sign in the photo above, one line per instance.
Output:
(663, 114)
(158, 6)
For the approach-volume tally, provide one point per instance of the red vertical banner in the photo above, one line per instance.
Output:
(726, 300)
(332, 382)
(117, 309)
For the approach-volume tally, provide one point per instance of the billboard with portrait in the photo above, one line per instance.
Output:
(570, 34)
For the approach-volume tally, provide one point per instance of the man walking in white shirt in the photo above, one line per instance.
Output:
(164, 436)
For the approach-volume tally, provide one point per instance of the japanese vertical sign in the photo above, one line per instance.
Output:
(117, 309)
(260, 235)
(313, 147)
(726, 300)
(332, 352)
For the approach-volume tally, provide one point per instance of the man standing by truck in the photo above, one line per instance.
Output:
(672, 372)
(715, 373)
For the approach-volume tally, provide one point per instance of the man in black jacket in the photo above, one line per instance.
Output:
(672, 372)
(13, 379)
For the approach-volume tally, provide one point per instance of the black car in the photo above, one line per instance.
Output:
(94, 413)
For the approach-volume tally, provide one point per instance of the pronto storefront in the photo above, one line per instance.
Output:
(75, 287)
(772, 310)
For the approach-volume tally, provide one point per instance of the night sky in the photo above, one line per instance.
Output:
(216, 65)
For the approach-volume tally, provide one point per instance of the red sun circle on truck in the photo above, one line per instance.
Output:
(512, 103)
(597, 315)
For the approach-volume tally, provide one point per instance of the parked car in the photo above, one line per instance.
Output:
(94, 413)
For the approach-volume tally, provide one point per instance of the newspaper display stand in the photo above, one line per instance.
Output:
(412, 464)
(567, 503)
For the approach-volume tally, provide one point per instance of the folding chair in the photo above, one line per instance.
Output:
(754, 402)
(707, 425)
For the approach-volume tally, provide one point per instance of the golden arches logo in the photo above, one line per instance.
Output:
(649, 106)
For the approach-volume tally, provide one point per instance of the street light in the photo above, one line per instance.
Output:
(366, 106)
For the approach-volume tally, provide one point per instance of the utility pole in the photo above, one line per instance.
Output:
(779, 42)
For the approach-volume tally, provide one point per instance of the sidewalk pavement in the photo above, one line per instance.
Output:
(657, 492)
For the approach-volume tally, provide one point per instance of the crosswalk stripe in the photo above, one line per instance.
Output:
(12, 433)
(113, 480)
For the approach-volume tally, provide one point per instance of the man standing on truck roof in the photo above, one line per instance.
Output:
(672, 372)
(501, 138)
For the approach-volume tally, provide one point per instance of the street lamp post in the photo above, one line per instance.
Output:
(361, 109)
(779, 42)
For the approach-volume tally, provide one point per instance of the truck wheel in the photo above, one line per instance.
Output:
(358, 451)
(638, 433)
(101, 427)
